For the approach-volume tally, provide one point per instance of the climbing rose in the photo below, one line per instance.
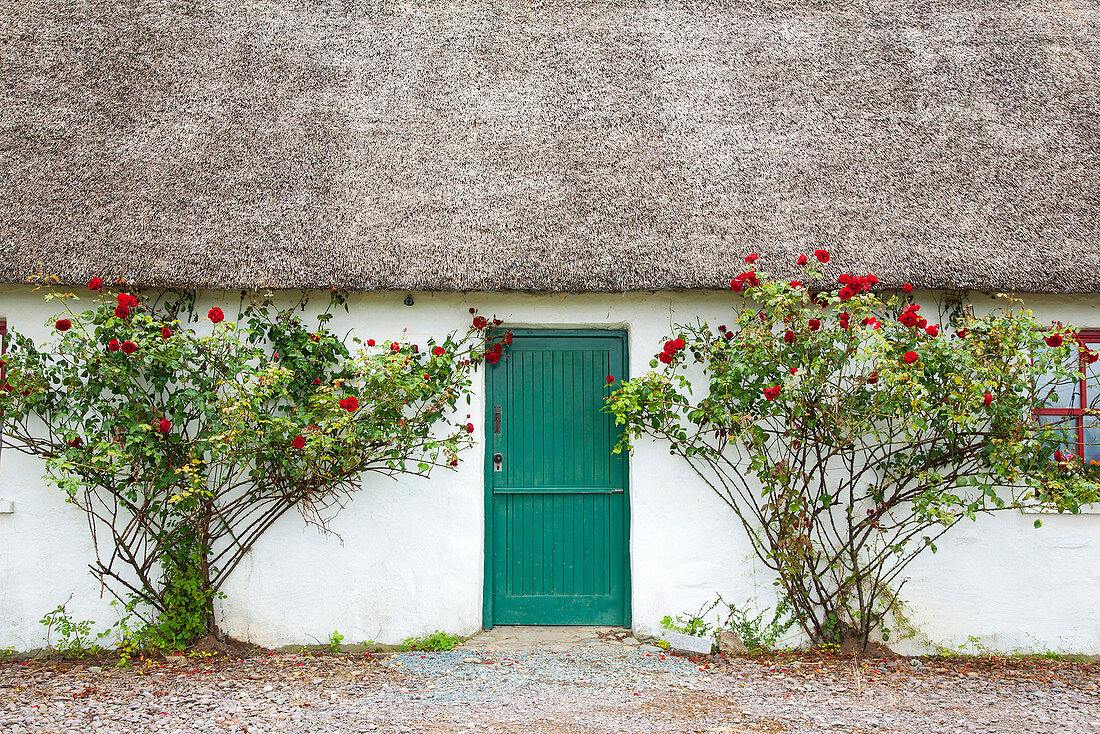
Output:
(802, 259)
(125, 299)
(507, 337)
(165, 425)
(846, 293)
(492, 357)
(815, 324)
(911, 357)
(610, 379)
(350, 404)
(752, 258)
(165, 332)
(665, 357)
(299, 442)
(933, 330)
(439, 351)
(215, 315)
(95, 284)
(316, 380)
(771, 393)
(907, 288)
(872, 378)
(469, 428)
(480, 322)
(395, 347)
(796, 284)
(788, 337)
(987, 400)
(128, 347)
(113, 345)
(1090, 356)
(822, 256)
(870, 321)
(63, 324)
(1054, 340)
(680, 343)
(75, 442)
(122, 311)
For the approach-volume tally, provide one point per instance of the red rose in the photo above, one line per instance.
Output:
(771, 393)
(1054, 340)
(752, 258)
(165, 332)
(1090, 356)
(316, 380)
(610, 379)
(299, 442)
(844, 319)
(670, 346)
(473, 311)
(63, 325)
(128, 347)
(665, 357)
(95, 284)
(911, 357)
(469, 428)
(350, 404)
(822, 256)
(871, 280)
(497, 322)
(122, 311)
(507, 337)
(794, 370)
(480, 322)
(802, 259)
(987, 400)
(815, 324)
(124, 299)
(492, 357)
(165, 425)
(416, 349)
(933, 330)
(76, 442)
(872, 378)
(370, 342)
(315, 337)
(215, 315)
(796, 284)
(846, 293)
(788, 337)
(907, 288)
(395, 347)
(870, 321)
(438, 351)
(113, 345)
(729, 334)
(680, 343)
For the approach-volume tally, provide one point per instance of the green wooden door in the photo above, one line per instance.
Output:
(556, 545)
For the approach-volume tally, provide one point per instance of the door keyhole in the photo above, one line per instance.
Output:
(498, 462)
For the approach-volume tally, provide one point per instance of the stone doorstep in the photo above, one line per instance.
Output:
(527, 638)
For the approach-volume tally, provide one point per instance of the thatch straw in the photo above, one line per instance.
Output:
(549, 146)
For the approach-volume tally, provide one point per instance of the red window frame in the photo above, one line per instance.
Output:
(1090, 338)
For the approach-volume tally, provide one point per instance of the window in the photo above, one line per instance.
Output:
(1071, 400)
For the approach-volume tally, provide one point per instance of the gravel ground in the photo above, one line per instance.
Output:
(597, 691)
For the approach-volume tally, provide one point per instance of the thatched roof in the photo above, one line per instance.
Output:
(627, 145)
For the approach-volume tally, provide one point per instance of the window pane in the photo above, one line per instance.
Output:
(1092, 380)
(1066, 391)
(1067, 425)
(1092, 436)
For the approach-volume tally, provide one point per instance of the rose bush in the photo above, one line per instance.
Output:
(183, 446)
(847, 433)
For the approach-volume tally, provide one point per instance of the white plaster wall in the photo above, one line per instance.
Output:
(408, 558)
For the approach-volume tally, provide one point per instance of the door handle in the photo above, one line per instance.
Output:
(498, 462)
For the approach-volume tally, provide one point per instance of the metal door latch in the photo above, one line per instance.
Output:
(498, 462)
